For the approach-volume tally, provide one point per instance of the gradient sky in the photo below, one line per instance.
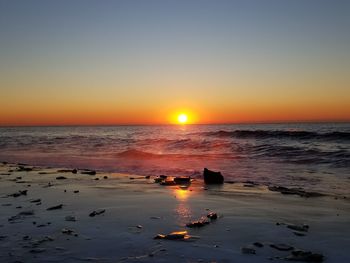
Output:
(127, 62)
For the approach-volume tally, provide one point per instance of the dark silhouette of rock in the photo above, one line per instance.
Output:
(211, 177)
(303, 228)
(74, 171)
(182, 180)
(258, 244)
(294, 191)
(97, 212)
(182, 235)
(19, 193)
(212, 215)
(55, 207)
(89, 172)
(199, 223)
(248, 250)
(282, 247)
(61, 178)
(24, 169)
(305, 256)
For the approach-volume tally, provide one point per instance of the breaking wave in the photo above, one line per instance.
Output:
(264, 134)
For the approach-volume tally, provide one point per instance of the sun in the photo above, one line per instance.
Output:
(182, 118)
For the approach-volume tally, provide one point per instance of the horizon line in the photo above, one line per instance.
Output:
(175, 124)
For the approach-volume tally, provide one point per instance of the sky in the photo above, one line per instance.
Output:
(143, 62)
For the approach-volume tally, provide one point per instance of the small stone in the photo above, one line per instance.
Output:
(212, 216)
(68, 231)
(37, 250)
(97, 212)
(89, 172)
(70, 218)
(303, 228)
(248, 250)
(282, 247)
(55, 207)
(306, 256)
(298, 234)
(258, 244)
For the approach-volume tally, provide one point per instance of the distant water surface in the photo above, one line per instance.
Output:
(312, 156)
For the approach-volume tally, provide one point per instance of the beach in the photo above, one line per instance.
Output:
(56, 215)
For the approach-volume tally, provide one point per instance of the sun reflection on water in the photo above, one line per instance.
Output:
(183, 209)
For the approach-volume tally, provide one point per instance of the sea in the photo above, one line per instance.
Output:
(313, 156)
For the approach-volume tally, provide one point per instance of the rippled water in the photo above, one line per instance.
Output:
(312, 156)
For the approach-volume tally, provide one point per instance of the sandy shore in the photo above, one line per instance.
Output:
(131, 210)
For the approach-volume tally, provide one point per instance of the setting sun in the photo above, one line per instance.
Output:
(182, 118)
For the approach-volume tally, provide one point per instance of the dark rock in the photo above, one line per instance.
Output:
(19, 193)
(35, 201)
(182, 235)
(61, 178)
(21, 215)
(37, 250)
(147, 177)
(294, 191)
(199, 223)
(211, 177)
(74, 171)
(97, 212)
(282, 247)
(212, 215)
(89, 172)
(76, 191)
(248, 250)
(158, 180)
(105, 177)
(303, 228)
(258, 244)
(298, 234)
(24, 169)
(55, 207)
(305, 256)
(68, 231)
(182, 180)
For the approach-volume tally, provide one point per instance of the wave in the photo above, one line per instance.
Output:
(264, 134)
(138, 154)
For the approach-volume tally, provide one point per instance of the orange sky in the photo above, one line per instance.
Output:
(142, 63)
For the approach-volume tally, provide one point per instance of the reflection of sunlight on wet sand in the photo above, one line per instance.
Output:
(182, 209)
(182, 194)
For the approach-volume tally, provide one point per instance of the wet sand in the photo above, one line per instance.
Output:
(130, 210)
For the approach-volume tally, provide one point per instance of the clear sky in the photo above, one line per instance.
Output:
(126, 62)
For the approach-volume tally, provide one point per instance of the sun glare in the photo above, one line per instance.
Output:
(182, 118)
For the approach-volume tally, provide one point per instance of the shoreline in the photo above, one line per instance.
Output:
(136, 210)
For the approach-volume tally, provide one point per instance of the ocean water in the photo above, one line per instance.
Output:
(312, 156)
